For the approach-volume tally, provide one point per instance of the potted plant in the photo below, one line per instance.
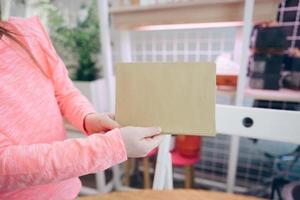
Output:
(79, 46)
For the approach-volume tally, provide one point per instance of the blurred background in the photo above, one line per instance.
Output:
(188, 31)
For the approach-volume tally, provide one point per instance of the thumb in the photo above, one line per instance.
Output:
(109, 123)
(111, 115)
(151, 131)
(154, 141)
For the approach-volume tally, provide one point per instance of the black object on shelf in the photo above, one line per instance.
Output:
(264, 81)
(264, 71)
(291, 80)
(268, 45)
(266, 63)
(287, 62)
(291, 63)
(269, 38)
(295, 64)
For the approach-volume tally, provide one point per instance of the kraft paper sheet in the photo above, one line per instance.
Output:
(178, 97)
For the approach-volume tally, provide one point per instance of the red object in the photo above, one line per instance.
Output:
(188, 146)
(228, 80)
(187, 150)
(153, 152)
(179, 160)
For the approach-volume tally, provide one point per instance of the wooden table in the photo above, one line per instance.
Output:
(179, 194)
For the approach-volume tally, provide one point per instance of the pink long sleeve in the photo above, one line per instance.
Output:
(73, 105)
(35, 164)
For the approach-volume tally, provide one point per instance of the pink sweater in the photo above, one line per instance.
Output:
(36, 159)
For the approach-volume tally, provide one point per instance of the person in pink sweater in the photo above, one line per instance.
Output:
(37, 162)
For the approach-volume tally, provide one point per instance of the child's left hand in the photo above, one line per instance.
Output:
(96, 123)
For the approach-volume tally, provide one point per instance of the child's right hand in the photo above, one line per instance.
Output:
(140, 141)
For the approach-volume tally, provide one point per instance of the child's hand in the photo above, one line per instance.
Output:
(140, 141)
(96, 123)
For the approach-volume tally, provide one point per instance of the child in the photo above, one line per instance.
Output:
(36, 159)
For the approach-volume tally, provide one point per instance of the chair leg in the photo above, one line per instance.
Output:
(146, 173)
(100, 182)
(126, 180)
(188, 176)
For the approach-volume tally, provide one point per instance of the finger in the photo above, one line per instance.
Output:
(151, 131)
(154, 142)
(108, 123)
(111, 115)
(100, 132)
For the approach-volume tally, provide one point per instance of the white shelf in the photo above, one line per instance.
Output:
(274, 95)
(200, 11)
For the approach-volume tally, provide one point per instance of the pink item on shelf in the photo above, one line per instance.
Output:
(180, 160)
(187, 150)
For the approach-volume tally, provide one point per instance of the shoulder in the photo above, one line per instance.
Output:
(30, 27)
(23, 21)
(30, 24)
(33, 35)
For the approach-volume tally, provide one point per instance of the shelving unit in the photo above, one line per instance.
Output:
(201, 11)
(196, 14)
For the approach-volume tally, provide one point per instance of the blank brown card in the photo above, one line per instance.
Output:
(178, 97)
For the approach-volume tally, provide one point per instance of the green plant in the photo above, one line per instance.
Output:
(79, 44)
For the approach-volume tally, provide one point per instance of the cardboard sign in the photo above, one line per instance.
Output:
(178, 97)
